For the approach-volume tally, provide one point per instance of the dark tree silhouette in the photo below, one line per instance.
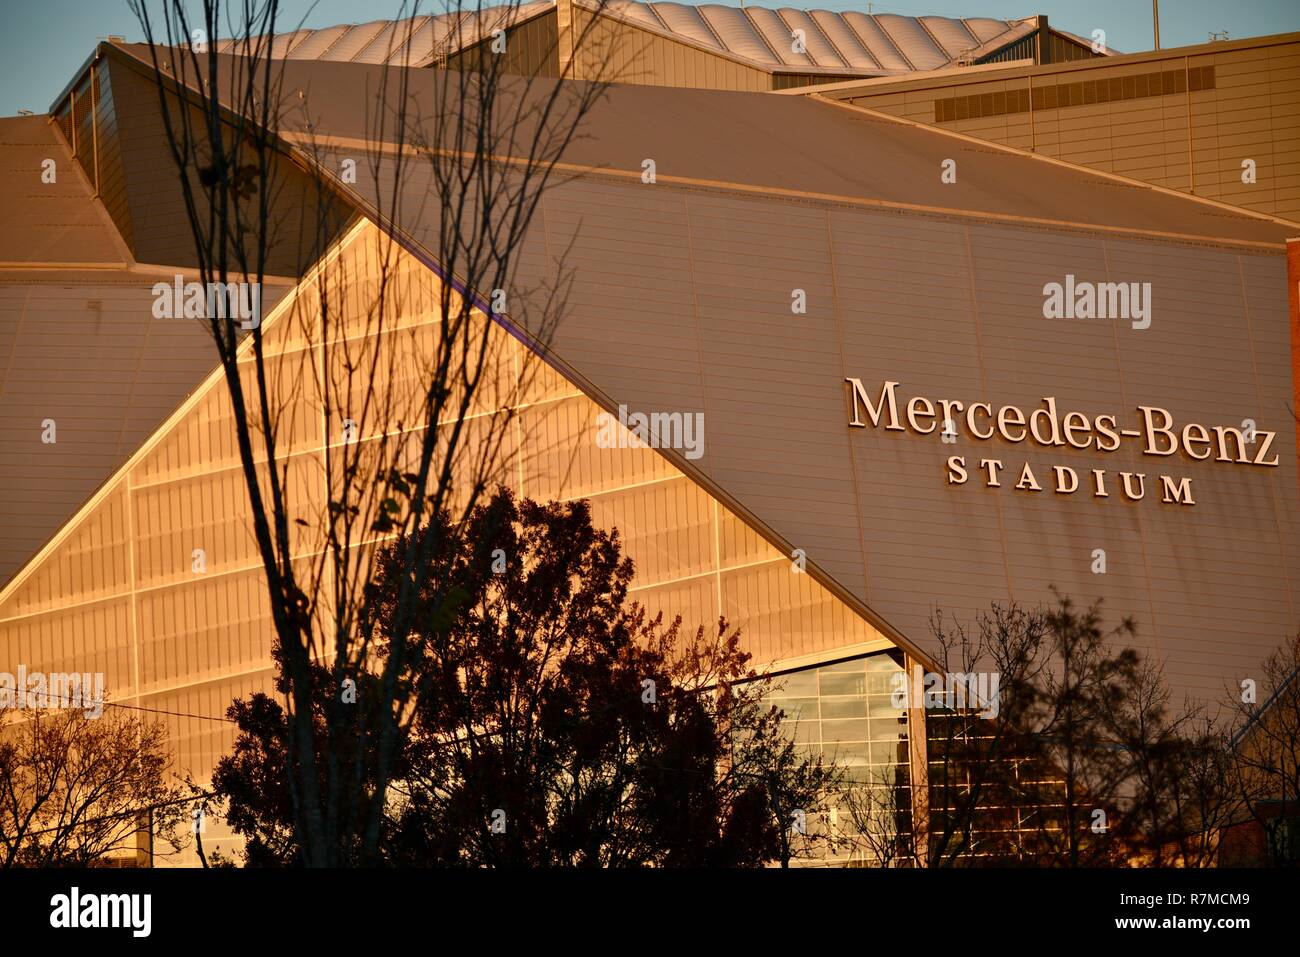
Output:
(1265, 761)
(1085, 764)
(554, 723)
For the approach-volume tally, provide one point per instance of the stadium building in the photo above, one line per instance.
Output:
(938, 360)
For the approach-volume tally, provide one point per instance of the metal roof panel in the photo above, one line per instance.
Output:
(737, 33)
(986, 28)
(820, 49)
(847, 42)
(83, 349)
(318, 43)
(952, 35)
(914, 42)
(686, 20)
(877, 41)
(356, 39)
(42, 222)
(778, 35)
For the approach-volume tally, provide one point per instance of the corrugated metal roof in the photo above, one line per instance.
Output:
(913, 41)
(952, 36)
(415, 41)
(818, 44)
(876, 40)
(832, 41)
(1022, 29)
(985, 28)
(350, 44)
(782, 41)
(847, 42)
(314, 46)
(734, 31)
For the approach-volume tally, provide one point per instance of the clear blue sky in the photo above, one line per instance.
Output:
(44, 41)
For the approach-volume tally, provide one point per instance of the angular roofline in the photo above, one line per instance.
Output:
(97, 204)
(1024, 27)
(1115, 177)
(290, 144)
(100, 276)
(1278, 248)
(896, 79)
(119, 474)
(1016, 30)
(415, 249)
(77, 74)
(829, 656)
(226, 45)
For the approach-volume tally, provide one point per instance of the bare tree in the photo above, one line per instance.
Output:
(415, 415)
(1202, 797)
(1265, 750)
(74, 789)
(880, 831)
(1084, 675)
(801, 792)
(1082, 765)
(979, 801)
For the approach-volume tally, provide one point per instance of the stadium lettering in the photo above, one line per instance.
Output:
(1049, 426)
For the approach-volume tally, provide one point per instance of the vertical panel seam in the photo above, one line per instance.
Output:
(853, 465)
(979, 356)
(1259, 394)
(128, 494)
(1191, 157)
(699, 358)
(1141, 530)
